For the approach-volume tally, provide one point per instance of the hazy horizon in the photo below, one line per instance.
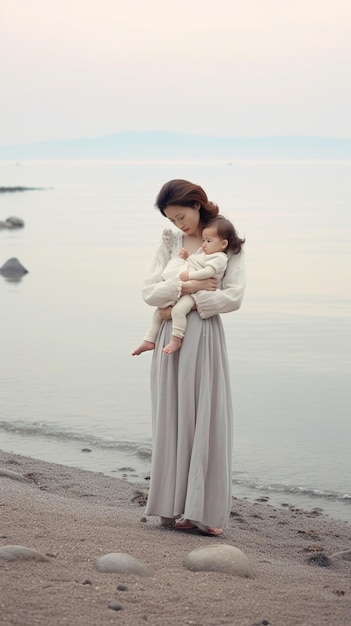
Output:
(172, 145)
(179, 134)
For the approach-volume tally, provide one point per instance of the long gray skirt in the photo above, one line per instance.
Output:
(191, 472)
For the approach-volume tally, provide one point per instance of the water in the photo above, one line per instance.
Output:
(67, 379)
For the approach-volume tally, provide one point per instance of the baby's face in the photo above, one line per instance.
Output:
(211, 242)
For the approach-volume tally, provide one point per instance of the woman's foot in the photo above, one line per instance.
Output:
(184, 524)
(146, 345)
(209, 531)
(173, 345)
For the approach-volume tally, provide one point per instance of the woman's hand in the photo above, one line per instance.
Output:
(165, 314)
(192, 286)
(184, 275)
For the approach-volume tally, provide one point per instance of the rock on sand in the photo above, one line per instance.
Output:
(122, 563)
(21, 553)
(219, 558)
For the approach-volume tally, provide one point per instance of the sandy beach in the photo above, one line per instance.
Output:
(73, 517)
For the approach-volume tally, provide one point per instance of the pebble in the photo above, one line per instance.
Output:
(219, 558)
(122, 587)
(320, 559)
(115, 606)
(123, 563)
(20, 553)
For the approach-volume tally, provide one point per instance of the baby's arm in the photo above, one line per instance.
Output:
(228, 298)
(201, 274)
(183, 254)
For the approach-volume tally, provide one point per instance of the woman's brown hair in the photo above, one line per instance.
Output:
(183, 193)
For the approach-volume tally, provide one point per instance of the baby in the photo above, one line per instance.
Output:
(210, 263)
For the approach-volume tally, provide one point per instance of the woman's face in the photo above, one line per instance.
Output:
(187, 219)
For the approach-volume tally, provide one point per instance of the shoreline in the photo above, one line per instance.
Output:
(127, 466)
(74, 516)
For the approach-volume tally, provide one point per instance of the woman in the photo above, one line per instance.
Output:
(191, 475)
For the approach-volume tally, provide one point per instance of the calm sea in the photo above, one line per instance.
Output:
(68, 382)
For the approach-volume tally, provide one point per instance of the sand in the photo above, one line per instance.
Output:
(74, 517)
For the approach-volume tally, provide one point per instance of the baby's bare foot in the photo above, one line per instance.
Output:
(146, 345)
(173, 345)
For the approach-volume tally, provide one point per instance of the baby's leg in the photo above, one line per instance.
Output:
(179, 313)
(151, 335)
(143, 347)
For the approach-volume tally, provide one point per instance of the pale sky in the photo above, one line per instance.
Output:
(86, 68)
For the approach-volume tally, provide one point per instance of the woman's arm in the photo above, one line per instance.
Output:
(164, 293)
(228, 298)
(156, 291)
(190, 287)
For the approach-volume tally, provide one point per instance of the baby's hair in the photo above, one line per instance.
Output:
(226, 230)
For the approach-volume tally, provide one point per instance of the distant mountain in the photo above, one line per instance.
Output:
(166, 145)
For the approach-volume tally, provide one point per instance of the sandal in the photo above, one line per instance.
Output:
(209, 531)
(184, 524)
